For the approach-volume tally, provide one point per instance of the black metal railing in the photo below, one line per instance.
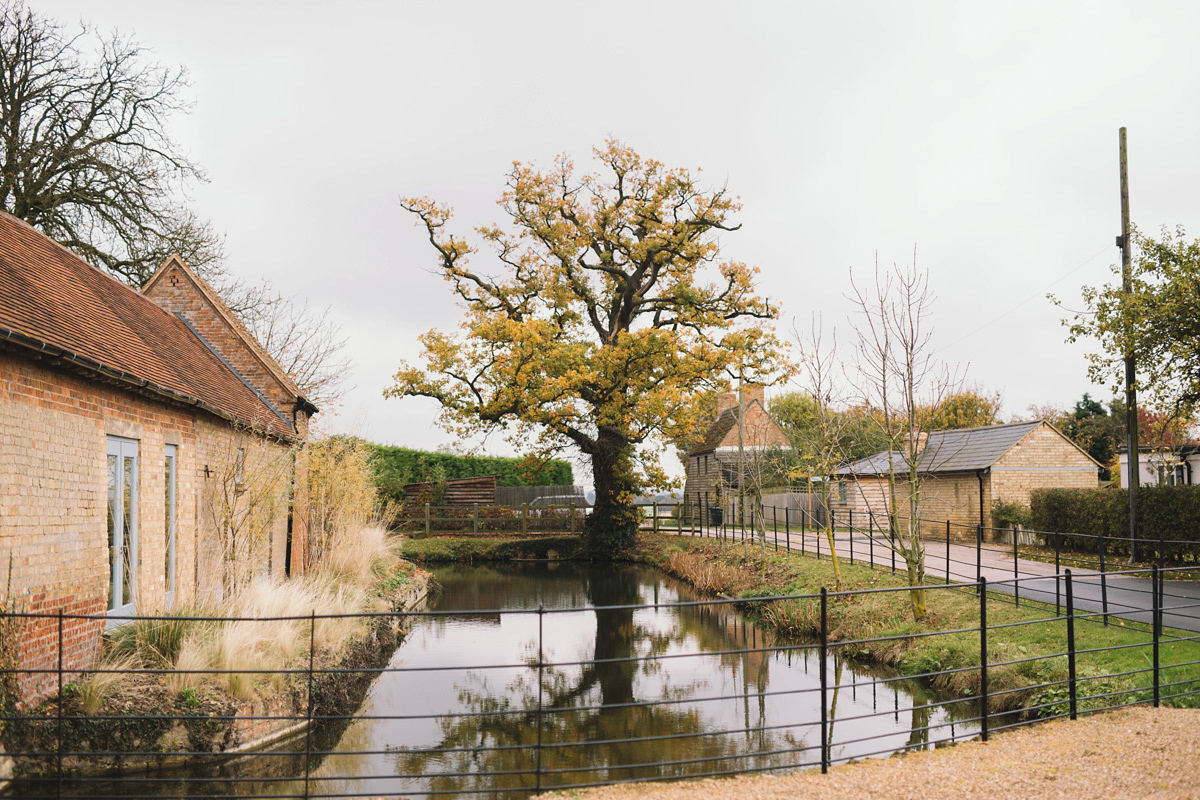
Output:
(298, 746)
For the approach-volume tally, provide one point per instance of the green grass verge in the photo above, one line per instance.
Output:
(862, 626)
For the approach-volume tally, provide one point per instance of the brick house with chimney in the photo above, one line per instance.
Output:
(712, 467)
(963, 471)
(131, 423)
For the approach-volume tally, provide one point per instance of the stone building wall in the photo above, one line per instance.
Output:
(1042, 460)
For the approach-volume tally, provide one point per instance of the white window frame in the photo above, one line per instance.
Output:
(170, 475)
(122, 532)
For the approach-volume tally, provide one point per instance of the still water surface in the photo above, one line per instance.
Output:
(652, 691)
(632, 687)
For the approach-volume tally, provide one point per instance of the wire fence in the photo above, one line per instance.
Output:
(548, 737)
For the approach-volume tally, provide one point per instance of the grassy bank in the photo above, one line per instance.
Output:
(879, 627)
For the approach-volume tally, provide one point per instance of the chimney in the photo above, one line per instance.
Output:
(750, 393)
(922, 440)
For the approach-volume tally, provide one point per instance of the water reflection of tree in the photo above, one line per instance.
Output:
(598, 730)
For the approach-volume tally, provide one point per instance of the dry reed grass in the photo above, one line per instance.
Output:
(268, 629)
(97, 686)
(708, 574)
(275, 619)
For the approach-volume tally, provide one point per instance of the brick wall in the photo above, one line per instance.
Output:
(53, 510)
(175, 292)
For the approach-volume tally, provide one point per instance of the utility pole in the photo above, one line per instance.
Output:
(1131, 428)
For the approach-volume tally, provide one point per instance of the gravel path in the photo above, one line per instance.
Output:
(1136, 752)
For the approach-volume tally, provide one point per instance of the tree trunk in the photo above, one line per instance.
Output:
(614, 520)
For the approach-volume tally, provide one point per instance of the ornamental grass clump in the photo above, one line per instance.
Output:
(271, 622)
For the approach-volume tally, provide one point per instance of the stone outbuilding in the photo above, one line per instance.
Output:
(151, 452)
(713, 467)
(964, 471)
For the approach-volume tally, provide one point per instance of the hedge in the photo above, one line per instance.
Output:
(396, 466)
(1168, 519)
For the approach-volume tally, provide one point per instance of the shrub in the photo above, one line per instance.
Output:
(393, 467)
(1010, 515)
(1168, 517)
(341, 491)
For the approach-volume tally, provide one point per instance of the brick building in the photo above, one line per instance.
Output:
(964, 471)
(135, 431)
(712, 467)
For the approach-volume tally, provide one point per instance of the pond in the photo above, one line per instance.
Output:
(640, 678)
(642, 690)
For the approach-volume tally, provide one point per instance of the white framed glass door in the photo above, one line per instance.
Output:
(169, 511)
(122, 477)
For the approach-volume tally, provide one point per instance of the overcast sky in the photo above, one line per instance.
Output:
(984, 134)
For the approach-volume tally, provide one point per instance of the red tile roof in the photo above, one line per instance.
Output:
(51, 297)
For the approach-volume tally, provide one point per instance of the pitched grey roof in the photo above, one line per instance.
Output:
(874, 465)
(960, 450)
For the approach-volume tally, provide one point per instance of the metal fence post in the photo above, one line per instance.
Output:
(892, 536)
(1103, 582)
(475, 518)
(1156, 588)
(787, 526)
(850, 513)
(871, 538)
(541, 668)
(524, 517)
(427, 519)
(775, 526)
(947, 551)
(824, 681)
(312, 639)
(1016, 572)
(1071, 683)
(983, 660)
(654, 509)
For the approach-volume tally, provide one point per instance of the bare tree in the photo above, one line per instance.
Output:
(820, 447)
(899, 375)
(84, 152)
(304, 340)
(85, 158)
(244, 497)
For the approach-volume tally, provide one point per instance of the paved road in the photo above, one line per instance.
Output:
(1127, 596)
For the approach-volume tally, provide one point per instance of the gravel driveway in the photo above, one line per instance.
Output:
(1139, 752)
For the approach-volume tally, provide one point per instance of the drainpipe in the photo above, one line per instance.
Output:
(979, 474)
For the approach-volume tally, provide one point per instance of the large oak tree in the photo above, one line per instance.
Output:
(609, 311)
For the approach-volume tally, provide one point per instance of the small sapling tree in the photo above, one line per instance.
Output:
(899, 375)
